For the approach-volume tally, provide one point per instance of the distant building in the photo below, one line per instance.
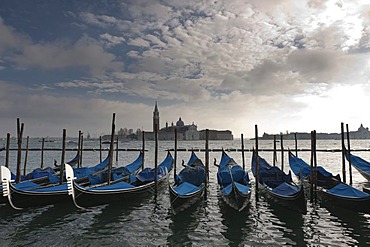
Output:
(184, 132)
(361, 133)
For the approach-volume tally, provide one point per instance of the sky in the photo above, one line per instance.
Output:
(283, 65)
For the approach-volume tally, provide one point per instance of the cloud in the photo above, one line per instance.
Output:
(86, 53)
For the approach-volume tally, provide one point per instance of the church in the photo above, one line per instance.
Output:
(184, 132)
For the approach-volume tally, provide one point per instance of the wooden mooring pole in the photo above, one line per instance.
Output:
(311, 167)
(175, 157)
(62, 160)
(274, 156)
(156, 160)
(349, 157)
(296, 144)
(207, 162)
(111, 149)
(7, 150)
(343, 154)
(143, 144)
(42, 152)
(257, 158)
(315, 166)
(26, 156)
(19, 156)
(282, 152)
(100, 150)
(243, 156)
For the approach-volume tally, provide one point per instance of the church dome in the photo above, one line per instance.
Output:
(180, 123)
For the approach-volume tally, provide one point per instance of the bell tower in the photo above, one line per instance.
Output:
(156, 118)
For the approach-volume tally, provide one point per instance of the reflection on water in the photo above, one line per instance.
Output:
(237, 226)
(150, 222)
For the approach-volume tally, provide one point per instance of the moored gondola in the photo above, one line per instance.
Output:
(189, 185)
(302, 170)
(30, 194)
(143, 183)
(234, 184)
(279, 185)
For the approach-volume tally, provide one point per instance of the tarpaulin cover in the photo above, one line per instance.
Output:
(286, 189)
(272, 176)
(193, 173)
(62, 187)
(347, 191)
(243, 189)
(358, 162)
(86, 171)
(147, 174)
(229, 171)
(186, 188)
(297, 165)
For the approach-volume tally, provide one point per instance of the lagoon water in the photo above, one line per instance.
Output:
(150, 222)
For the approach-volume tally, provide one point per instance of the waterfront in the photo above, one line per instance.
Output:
(150, 222)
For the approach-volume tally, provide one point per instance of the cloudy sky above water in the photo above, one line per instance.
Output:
(285, 65)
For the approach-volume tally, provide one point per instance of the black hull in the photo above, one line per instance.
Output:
(236, 200)
(90, 198)
(295, 202)
(180, 203)
(24, 199)
(354, 204)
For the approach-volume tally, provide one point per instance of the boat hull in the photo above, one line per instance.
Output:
(88, 198)
(19, 199)
(295, 202)
(181, 202)
(236, 200)
(351, 203)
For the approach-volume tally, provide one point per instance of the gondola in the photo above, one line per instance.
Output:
(234, 184)
(45, 177)
(279, 185)
(302, 170)
(345, 196)
(30, 194)
(189, 185)
(361, 165)
(143, 183)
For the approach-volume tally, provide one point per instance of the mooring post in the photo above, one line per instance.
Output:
(19, 156)
(257, 158)
(7, 150)
(100, 150)
(42, 152)
(315, 166)
(243, 158)
(82, 148)
(117, 152)
(63, 157)
(143, 144)
(274, 158)
(175, 157)
(156, 160)
(79, 149)
(349, 156)
(282, 152)
(207, 162)
(26, 156)
(111, 148)
(343, 154)
(311, 167)
(296, 144)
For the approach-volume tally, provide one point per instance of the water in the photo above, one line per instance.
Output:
(150, 222)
